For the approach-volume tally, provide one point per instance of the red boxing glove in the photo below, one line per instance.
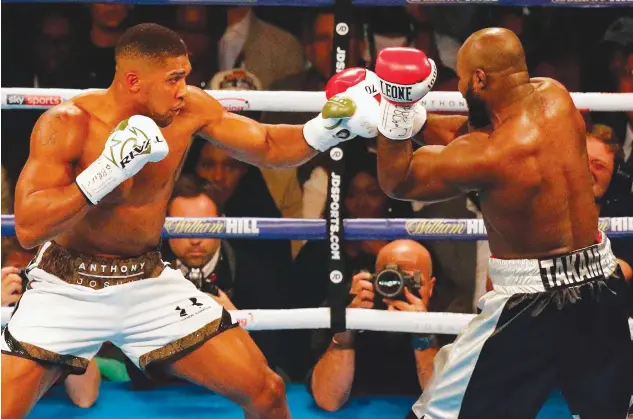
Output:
(352, 110)
(359, 78)
(406, 76)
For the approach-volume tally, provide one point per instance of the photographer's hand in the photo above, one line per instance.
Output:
(362, 290)
(11, 285)
(413, 303)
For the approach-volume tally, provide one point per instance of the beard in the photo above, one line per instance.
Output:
(161, 120)
(477, 111)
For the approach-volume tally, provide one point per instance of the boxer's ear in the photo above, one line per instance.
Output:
(133, 82)
(480, 80)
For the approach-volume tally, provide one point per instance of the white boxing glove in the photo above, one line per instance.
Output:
(133, 143)
(345, 116)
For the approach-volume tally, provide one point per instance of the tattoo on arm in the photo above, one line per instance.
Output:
(50, 132)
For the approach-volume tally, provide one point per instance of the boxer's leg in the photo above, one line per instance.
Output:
(172, 326)
(232, 365)
(596, 351)
(500, 366)
(24, 381)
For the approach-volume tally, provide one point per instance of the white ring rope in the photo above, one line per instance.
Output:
(356, 318)
(284, 101)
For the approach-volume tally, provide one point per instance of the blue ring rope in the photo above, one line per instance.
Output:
(355, 229)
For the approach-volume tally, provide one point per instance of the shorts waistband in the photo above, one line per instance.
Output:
(553, 272)
(95, 272)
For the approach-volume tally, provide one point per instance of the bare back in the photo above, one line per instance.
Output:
(542, 202)
(128, 221)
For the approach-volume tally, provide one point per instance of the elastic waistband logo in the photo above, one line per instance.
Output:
(572, 269)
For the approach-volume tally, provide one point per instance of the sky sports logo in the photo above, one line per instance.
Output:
(33, 100)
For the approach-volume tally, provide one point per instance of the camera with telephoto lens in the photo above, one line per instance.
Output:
(391, 282)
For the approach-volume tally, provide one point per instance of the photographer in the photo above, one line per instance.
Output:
(367, 363)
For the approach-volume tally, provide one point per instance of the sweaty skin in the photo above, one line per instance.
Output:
(529, 167)
(128, 222)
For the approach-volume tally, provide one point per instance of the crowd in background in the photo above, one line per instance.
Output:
(244, 48)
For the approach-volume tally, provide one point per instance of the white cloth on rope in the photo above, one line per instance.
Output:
(285, 101)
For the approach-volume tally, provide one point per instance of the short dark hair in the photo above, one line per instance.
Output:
(606, 135)
(150, 40)
(191, 186)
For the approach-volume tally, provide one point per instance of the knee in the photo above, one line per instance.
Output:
(270, 392)
(85, 401)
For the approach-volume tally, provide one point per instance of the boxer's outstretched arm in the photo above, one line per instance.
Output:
(269, 146)
(47, 200)
(436, 173)
(442, 129)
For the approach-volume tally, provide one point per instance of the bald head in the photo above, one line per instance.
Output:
(409, 255)
(490, 64)
(493, 50)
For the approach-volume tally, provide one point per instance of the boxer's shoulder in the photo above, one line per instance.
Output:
(553, 91)
(546, 83)
(65, 125)
(198, 101)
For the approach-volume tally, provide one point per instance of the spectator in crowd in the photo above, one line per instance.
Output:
(210, 264)
(242, 192)
(559, 58)
(108, 22)
(352, 364)
(608, 67)
(318, 35)
(194, 27)
(423, 37)
(214, 264)
(605, 154)
(451, 26)
(55, 52)
(621, 34)
(282, 184)
(261, 48)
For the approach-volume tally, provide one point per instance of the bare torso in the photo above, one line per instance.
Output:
(129, 221)
(542, 202)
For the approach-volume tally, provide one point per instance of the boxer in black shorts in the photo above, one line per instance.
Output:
(557, 317)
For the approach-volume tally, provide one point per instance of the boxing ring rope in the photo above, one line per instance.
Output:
(287, 101)
(302, 229)
(355, 229)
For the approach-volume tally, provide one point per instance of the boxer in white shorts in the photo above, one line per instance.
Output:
(76, 301)
(93, 194)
